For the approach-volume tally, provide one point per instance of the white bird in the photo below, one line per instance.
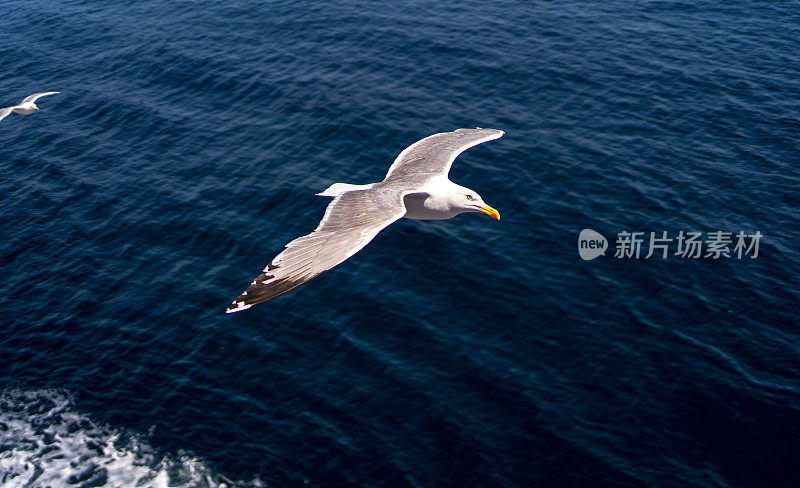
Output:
(416, 187)
(26, 106)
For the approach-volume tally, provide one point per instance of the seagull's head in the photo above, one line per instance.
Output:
(469, 201)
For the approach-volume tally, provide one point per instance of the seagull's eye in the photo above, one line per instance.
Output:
(469, 197)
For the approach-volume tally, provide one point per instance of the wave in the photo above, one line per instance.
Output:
(45, 441)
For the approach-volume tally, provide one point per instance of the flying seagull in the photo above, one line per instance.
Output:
(27, 106)
(416, 187)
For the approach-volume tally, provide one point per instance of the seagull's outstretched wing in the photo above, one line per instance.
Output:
(351, 220)
(32, 98)
(5, 111)
(435, 154)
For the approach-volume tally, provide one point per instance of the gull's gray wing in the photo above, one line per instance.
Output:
(32, 98)
(351, 220)
(435, 154)
(5, 111)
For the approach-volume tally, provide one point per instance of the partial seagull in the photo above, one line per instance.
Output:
(26, 106)
(416, 187)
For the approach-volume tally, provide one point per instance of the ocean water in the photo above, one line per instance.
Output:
(185, 150)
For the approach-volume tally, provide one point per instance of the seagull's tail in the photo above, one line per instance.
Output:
(338, 188)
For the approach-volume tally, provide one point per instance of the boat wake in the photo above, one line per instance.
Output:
(44, 441)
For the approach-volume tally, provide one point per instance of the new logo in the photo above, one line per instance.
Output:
(591, 244)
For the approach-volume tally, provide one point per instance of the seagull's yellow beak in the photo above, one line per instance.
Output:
(490, 212)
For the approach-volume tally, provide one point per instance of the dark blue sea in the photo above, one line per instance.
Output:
(184, 152)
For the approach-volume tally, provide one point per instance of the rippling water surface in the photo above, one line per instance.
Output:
(185, 150)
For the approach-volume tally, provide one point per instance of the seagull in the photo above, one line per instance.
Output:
(416, 187)
(27, 106)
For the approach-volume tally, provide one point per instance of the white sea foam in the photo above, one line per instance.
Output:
(44, 441)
